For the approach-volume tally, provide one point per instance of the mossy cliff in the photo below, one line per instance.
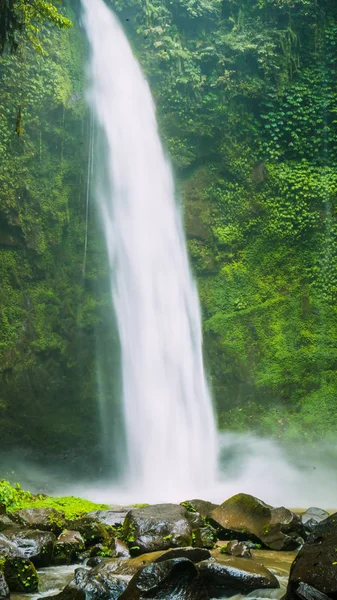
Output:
(246, 96)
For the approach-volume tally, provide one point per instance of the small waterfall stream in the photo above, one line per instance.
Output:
(169, 421)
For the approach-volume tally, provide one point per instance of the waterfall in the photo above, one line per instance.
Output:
(169, 421)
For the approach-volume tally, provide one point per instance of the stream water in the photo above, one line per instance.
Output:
(169, 422)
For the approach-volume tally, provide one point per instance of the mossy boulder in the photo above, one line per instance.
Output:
(205, 537)
(175, 579)
(252, 519)
(92, 531)
(68, 547)
(233, 575)
(44, 519)
(20, 574)
(236, 548)
(157, 527)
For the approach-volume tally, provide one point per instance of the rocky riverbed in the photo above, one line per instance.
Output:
(192, 551)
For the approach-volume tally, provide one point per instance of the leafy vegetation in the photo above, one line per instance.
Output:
(14, 498)
(246, 97)
(28, 17)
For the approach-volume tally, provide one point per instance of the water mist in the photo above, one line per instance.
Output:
(169, 422)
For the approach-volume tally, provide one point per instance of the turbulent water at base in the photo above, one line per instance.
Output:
(169, 421)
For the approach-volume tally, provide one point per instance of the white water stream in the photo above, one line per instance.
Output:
(170, 426)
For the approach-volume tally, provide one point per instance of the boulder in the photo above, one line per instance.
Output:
(234, 575)
(202, 507)
(316, 563)
(157, 527)
(205, 537)
(236, 548)
(175, 579)
(20, 574)
(121, 549)
(252, 519)
(100, 550)
(92, 585)
(312, 517)
(7, 524)
(68, 546)
(92, 531)
(113, 517)
(44, 519)
(195, 555)
(36, 545)
(4, 589)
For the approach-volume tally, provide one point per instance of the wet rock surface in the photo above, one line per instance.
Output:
(236, 548)
(195, 555)
(4, 589)
(312, 517)
(158, 527)
(316, 563)
(44, 519)
(232, 575)
(113, 517)
(20, 574)
(92, 585)
(175, 579)
(68, 547)
(36, 545)
(277, 528)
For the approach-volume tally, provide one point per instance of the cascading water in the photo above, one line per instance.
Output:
(169, 421)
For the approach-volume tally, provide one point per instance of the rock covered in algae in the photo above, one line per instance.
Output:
(68, 546)
(276, 528)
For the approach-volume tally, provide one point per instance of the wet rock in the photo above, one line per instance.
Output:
(113, 517)
(307, 592)
(21, 575)
(205, 537)
(195, 555)
(90, 529)
(92, 585)
(44, 519)
(4, 589)
(276, 528)
(158, 527)
(36, 545)
(316, 562)
(195, 520)
(234, 575)
(68, 546)
(100, 550)
(312, 517)
(175, 579)
(7, 524)
(236, 548)
(202, 507)
(8, 548)
(121, 549)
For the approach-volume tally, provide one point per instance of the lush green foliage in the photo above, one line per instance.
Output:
(246, 94)
(14, 498)
(28, 17)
